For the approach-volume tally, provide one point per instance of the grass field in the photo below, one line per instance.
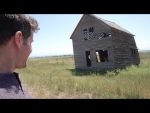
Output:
(55, 77)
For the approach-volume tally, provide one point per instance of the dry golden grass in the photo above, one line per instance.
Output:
(55, 77)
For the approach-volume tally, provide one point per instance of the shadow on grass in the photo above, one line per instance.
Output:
(104, 72)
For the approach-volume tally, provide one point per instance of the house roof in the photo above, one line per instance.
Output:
(113, 25)
(109, 23)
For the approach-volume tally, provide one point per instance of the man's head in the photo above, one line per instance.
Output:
(16, 32)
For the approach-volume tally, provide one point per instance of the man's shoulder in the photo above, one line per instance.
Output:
(10, 86)
(11, 94)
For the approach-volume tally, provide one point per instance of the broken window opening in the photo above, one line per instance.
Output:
(91, 29)
(109, 34)
(88, 58)
(101, 55)
(84, 30)
(133, 51)
(104, 35)
(97, 57)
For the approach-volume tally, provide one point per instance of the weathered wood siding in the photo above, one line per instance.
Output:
(122, 44)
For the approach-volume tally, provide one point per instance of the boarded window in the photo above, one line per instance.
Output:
(88, 33)
(85, 32)
(101, 55)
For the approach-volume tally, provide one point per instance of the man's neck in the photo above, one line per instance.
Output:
(6, 62)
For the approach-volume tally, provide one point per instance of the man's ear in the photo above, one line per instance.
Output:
(18, 39)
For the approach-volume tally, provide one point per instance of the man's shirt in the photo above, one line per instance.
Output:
(11, 88)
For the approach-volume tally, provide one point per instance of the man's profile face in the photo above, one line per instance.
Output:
(25, 51)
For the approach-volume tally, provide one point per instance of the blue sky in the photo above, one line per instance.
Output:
(53, 38)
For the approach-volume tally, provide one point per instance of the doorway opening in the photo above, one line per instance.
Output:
(88, 58)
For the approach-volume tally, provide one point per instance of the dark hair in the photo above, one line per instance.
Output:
(11, 23)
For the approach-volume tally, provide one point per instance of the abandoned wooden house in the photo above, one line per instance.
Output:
(101, 44)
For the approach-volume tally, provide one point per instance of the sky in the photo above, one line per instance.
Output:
(53, 38)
